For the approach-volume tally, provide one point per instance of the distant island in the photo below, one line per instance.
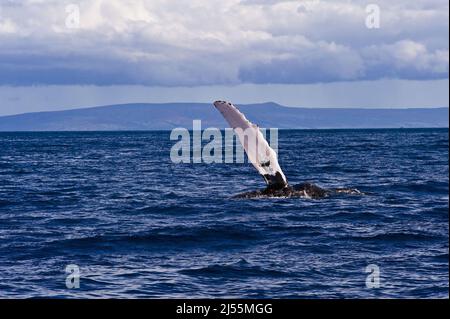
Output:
(171, 115)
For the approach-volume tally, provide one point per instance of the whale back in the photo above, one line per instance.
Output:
(258, 151)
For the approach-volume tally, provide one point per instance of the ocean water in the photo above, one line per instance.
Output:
(138, 226)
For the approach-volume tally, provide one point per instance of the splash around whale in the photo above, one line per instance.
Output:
(265, 160)
(305, 190)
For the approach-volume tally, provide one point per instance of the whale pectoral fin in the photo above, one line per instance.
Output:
(258, 151)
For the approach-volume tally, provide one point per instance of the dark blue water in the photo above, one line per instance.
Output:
(139, 226)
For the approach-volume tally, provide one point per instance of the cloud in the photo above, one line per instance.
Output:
(196, 42)
(313, 62)
(406, 59)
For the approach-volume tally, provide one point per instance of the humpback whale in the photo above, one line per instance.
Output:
(265, 160)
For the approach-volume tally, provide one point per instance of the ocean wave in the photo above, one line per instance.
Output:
(239, 269)
(397, 237)
(163, 238)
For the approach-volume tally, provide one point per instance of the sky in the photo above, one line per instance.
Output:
(57, 54)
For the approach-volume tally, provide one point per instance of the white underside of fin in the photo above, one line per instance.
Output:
(259, 153)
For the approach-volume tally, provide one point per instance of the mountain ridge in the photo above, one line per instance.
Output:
(166, 116)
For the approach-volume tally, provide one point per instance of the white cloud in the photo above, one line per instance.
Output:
(200, 42)
(408, 59)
